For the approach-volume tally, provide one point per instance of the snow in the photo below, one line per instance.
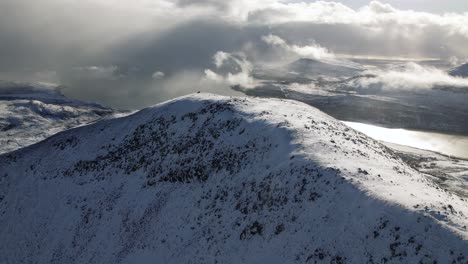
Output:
(31, 112)
(450, 173)
(211, 179)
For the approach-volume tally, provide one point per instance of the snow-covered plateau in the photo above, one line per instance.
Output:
(212, 179)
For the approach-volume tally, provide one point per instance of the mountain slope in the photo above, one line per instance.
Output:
(211, 179)
(450, 173)
(30, 113)
(460, 71)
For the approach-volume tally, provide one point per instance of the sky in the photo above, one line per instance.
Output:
(433, 6)
(135, 53)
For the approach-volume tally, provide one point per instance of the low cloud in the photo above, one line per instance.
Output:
(411, 76)
(233, 69)
(184, 83)
(313, 51)
(158, 75)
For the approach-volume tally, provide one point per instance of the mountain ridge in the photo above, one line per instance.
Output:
(206, 178)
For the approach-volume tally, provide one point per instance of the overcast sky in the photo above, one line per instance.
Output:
(133, 53)
(434, 6)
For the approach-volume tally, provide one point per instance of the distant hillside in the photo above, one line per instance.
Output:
(30, 112)
(460, 71)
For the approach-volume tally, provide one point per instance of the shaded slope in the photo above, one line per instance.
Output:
(206, 179)
(460, 71)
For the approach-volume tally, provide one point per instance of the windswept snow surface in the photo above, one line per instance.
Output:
(211, 179)
(30, 113)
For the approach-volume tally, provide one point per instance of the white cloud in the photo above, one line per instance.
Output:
(374, 14)
(239, 69)
(213, 76)
(313, 51)
(158, 75)
(421, 33)
(411, 76)
(378, 7)
(220, 57)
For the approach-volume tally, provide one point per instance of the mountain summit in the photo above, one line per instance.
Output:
(211, 179)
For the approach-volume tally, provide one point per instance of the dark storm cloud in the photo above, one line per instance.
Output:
(185, 51)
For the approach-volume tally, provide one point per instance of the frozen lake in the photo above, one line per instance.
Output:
(451, 145)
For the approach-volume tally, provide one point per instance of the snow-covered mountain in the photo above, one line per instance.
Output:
(460, 71)
(451, 173)
(30, 112)
(211, 179)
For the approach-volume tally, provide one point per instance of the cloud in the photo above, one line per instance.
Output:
(411, 32)
(375, 14)
(233, 10)
(313, 51)
(183, 83)
(92, 48)
(158, 75)
(411, 76)
(213, 76)
(235, 69)
(98, 72)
